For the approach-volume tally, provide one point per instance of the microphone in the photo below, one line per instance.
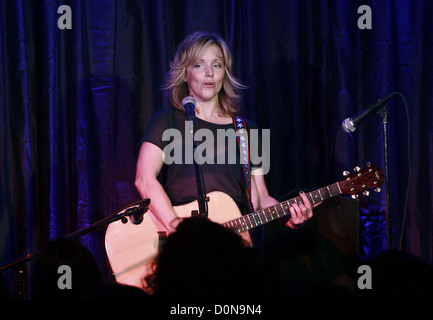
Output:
(349, 125)
(137, 216)
(189, 105)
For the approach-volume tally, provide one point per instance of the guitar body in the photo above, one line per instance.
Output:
(131, 248)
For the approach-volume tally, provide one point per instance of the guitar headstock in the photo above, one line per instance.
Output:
(362, 180)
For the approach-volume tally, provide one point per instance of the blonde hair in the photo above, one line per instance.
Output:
(187, 55)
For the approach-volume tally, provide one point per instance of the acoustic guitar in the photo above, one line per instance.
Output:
(130, 248)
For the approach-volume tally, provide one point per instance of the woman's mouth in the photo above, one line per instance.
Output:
(209, 84)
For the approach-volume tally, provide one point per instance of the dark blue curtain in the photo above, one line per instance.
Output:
(75, 102)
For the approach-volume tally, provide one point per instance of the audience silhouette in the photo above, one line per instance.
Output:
(85, 274)
(399, 275)
(204, 260)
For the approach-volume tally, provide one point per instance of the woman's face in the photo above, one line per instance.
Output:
(205, 77)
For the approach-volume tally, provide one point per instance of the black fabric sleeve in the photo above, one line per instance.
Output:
(160, 122)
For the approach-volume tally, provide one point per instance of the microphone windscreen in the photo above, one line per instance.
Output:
(187, 100)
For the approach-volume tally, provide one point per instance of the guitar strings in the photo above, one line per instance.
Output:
(279, 210)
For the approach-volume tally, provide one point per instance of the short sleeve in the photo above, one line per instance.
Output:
(160, 122)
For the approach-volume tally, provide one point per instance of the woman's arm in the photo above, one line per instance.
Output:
(149, 164)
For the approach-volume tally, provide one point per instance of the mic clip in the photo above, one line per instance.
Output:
(136, 214)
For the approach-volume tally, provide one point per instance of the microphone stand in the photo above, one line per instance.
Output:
(202, 198)
(384, 116)
(18, 264)
(349, 126)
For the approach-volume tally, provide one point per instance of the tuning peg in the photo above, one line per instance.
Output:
(357, 169)
(366, 193)
(355, 196)
(346, 173)
(377, 189)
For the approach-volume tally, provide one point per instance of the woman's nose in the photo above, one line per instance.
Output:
(209, 72)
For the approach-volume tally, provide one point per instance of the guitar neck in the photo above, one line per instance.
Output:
(260, 217)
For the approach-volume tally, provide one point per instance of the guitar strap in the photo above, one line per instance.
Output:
(242, 138)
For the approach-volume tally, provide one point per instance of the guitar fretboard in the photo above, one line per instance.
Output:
(260, 217)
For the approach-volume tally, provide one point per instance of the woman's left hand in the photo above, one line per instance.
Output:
(301, 213)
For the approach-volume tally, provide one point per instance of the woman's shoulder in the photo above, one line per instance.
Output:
(167, 117)
(162, 120)
(167, 113)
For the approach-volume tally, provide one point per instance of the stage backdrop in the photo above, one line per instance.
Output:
(78, 85)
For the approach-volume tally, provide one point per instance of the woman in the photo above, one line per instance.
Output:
(201, 69)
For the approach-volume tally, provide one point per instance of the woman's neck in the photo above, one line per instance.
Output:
(211, 112)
